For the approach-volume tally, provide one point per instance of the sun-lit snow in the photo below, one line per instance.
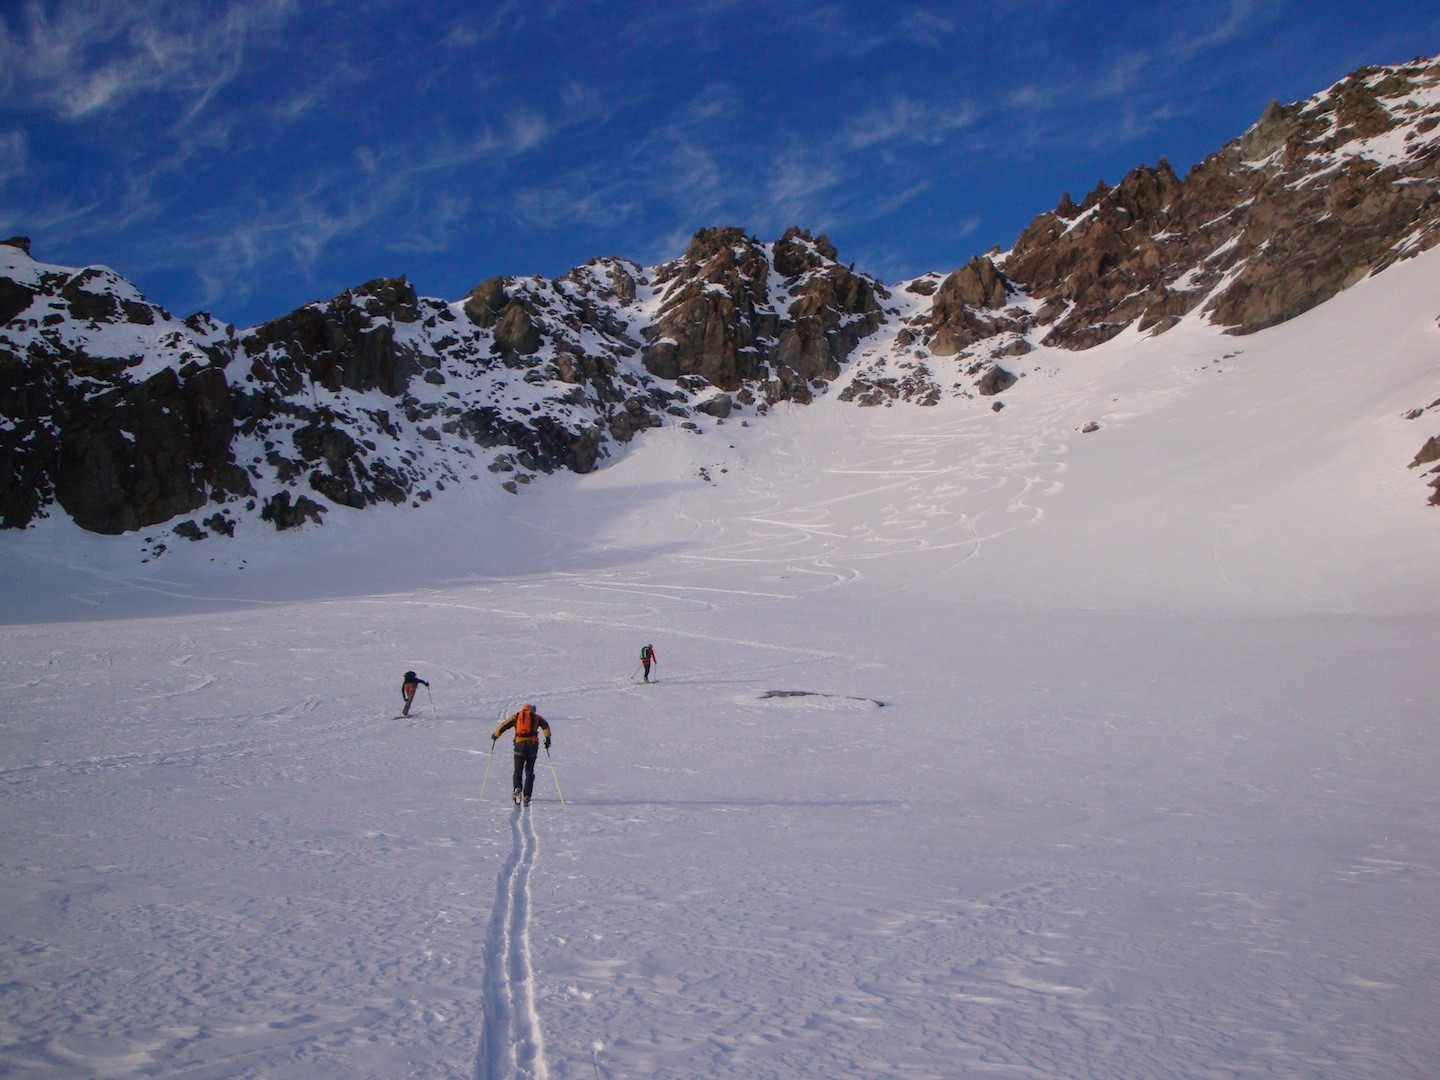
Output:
(1105, 753)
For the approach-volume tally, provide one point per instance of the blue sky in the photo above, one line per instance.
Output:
(247, 158)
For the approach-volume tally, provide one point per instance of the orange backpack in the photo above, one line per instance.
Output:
(525, 722)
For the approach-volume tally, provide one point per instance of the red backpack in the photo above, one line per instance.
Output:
(525, 722)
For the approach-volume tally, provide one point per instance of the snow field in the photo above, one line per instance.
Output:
(1079, 846)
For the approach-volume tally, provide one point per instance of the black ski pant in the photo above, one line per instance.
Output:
(525, 755)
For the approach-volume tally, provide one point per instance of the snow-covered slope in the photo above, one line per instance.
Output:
(1264, 473)
(980, 830)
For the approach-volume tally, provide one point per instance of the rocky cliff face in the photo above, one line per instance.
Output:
(1315, 196)
(111, 408)
(1312, 198)
(743, 317)
(124, 417)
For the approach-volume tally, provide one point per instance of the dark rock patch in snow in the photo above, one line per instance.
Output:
(818, 694)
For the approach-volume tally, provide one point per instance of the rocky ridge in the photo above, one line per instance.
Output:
(127, 418)
(1312, 198)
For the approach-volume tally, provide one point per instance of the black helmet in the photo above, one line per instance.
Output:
(409, 674)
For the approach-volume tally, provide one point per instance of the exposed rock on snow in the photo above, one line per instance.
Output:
(1313, 197)
(995, 381)
(1430, 452)
(959, 316)
(721, 318)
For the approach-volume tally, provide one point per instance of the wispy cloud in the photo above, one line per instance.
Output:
(834, 28)
(52, 216)
(797, 184)
(1213, 27)
(673, 164)
(384, 194)
(698, 169)
(908, 119)
(84, 57)
(235, 254)
(681, 172)
(900, 197)
(275, 146)
(1120, 95)
(891, 263)
(14, 155)
(926, 24)
(527, 130)
(436, 227)
(488, 23)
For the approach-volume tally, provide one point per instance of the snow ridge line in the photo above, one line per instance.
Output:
(511, 1043)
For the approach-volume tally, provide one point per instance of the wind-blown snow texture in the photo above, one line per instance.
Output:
(1151, 792)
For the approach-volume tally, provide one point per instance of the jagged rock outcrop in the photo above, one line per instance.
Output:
(913, 383)
(382, 396)
(119, 439)
(136, 455)
(963, 305)
(486, 302)
(715, 312)
(349, 343)
(1428, 455)
(724, 319)
(449, 370)
(29, 444)
(1312, 198)
(1101, 269)
(282, 421)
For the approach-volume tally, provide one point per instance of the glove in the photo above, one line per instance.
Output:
(547, 742)
(493, 738)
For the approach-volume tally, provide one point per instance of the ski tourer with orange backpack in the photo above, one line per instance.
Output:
(527, 724)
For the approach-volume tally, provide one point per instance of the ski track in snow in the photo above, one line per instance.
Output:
(511, 1043)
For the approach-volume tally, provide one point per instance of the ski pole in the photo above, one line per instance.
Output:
(636, 671)
(428, 694)
(551, 762)
(488, 762)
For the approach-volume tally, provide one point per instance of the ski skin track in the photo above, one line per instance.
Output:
(511, 1041)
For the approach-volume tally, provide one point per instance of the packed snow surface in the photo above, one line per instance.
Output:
(1104, 754)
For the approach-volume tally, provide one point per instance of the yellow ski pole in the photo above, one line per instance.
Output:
(488, 761)
(551, 762)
